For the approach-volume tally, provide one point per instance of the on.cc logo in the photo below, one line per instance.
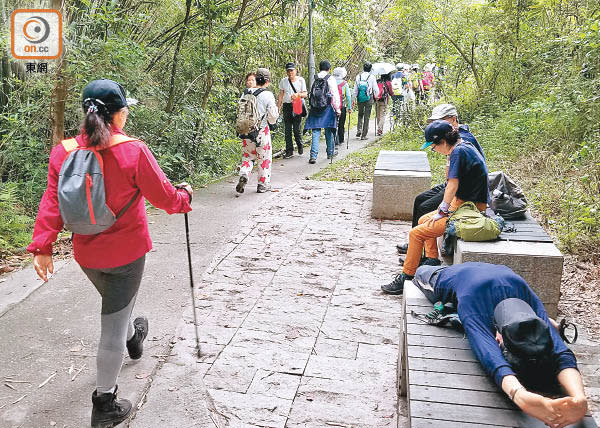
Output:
(36, 34)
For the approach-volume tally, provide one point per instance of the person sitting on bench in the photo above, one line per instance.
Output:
(467, 181)
(509, 332)
(430, 199)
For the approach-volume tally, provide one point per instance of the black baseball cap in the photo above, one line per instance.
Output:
(290, 66)
(524, 333)
(436, 131)
(109, 92)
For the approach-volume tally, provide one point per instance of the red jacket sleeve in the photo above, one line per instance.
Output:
(155, 186)
(48, 222)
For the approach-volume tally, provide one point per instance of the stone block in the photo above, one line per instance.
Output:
(399, 177)
(539, 263)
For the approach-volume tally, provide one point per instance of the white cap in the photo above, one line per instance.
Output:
(442, 111)
(340, 72)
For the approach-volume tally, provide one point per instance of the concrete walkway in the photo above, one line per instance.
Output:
(295, 331)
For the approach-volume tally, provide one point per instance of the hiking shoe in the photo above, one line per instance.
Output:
(288, 155)
(300, 149)
(312, 160)
(108, 410)
(135, 345)
(379, 133)
(261, 188)
(397, 285)
(358, 134)
(402, 248)
(241, 184)
(430, 261)
(364, 138)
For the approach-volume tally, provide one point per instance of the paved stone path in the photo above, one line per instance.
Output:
(295, 331)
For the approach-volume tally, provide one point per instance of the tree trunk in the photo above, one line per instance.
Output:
(57, 108)
(59, 94)
(171, 100)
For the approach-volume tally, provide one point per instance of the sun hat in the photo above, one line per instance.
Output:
(264, 73)
(442, 111)
(523, 332)
(340, 72)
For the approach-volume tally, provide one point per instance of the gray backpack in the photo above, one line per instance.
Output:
(81, 193)
(247, 123)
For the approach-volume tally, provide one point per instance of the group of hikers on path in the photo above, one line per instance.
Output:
(331, 101)
(98, 183)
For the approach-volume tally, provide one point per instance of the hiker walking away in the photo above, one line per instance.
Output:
(408, 92)
(430, 199)
(414, 81)
(110, 249)
(345, 99)
(467, 181)
(251, 80)
(512, 336)
(398, 90)
(365, 92)
(384, 84)
(291, 88)
(256, 110)
(324, 111)
(428, 83)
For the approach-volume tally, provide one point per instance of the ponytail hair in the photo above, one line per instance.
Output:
(96, 124)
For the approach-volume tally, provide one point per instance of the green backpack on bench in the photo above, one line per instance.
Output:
(472, 225)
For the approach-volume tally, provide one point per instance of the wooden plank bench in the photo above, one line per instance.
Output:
(529, 251)
(398, 178)
(444, 383)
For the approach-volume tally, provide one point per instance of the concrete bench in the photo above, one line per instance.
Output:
(444, 383)
(399, 177)
(529, 251)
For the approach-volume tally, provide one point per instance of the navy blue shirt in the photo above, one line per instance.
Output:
(465, 134)
(468, 165)
(476, 289)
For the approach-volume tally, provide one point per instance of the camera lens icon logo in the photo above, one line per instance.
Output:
(36, 29)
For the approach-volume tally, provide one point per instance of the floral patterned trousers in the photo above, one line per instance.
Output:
(261, 154)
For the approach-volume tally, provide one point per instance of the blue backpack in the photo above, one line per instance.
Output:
(81, 193)
(363, 90)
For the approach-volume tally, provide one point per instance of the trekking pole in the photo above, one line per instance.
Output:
(349, 121)
(335, 141)
(189, 253)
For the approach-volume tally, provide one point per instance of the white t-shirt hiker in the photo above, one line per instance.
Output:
(284, 85)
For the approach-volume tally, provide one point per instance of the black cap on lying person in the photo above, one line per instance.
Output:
(527, 343)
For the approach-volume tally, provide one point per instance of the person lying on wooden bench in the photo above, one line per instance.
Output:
(509, 332)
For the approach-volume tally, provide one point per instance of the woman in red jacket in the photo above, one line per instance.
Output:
(113, 260)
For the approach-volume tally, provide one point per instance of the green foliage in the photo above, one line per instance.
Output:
(15, 227)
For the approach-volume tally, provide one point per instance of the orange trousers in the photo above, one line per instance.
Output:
(425, 235)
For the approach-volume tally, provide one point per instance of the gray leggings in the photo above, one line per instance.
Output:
(118, 288)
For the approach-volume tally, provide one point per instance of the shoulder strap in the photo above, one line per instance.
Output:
(292, 85)
(258, 92)
(70, 144)
(128, 204)
(120, 138)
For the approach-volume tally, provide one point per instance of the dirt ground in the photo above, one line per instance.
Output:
(580, 295)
